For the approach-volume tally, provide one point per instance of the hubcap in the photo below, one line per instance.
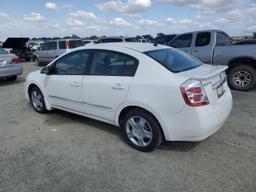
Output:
(37, 100)
(139, 131)
(242, 78)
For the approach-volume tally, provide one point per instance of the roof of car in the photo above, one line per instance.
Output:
(140, 47)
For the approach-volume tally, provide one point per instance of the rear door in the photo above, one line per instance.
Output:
(106, 87)
(183, 42)
(203, 47)
(43, 53)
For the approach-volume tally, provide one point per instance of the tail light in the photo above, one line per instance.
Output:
(66, 44)
(193, 93)
(15, 61)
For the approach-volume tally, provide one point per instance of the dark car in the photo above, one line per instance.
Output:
(19, 47)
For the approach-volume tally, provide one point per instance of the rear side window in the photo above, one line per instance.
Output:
(203, 39)
(223, 40)
(75, 43)
(174, 60)
(45, 46)
(182, 41)
(109, 63)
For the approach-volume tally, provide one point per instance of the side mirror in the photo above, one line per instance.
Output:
(46, 70)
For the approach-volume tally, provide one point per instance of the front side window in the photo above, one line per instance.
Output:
(108, 63)
(72, 64)
(45, 46)
(174, 60)
(182, 41)
(52, 46)
(203, 39)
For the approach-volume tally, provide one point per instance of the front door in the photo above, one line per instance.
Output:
(106, 87)
(52, 51)
(64, 85)
(42, 54)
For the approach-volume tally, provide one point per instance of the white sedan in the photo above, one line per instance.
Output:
(154, 93)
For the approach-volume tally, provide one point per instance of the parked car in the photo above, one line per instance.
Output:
(19, 47)
(10, 65)
(53, 49)
(116, 40)
(246, 42)
(215, 47)
(153, 93)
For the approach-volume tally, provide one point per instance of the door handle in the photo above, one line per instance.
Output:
(118, 86)
(74, 84)
(196, 51)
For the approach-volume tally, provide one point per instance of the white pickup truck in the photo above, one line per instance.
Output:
(215, 47)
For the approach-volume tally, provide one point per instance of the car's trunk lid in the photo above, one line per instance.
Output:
(213, 79)
(15, 43)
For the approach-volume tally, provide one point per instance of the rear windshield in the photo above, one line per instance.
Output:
(174, 60)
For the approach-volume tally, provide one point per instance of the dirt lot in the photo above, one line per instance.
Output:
(62, 152)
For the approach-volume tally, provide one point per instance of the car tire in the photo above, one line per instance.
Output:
(242, 78)
(37, 100)
(12, 78)
(141, 130)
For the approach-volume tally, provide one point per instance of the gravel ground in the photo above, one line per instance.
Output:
(62, 152)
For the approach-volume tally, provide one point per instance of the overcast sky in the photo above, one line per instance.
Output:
(37, 18)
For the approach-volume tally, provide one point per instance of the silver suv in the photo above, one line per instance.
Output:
(53, 49)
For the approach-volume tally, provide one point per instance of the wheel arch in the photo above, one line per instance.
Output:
(33, 84)
(124, 110)
(242, 61)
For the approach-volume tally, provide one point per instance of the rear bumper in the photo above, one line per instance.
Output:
(197, 124)
(11, 70)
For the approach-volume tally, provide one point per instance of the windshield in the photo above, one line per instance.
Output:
(174, 60)
(3, 52)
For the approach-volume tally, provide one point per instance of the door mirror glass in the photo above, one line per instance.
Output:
(45, 70)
